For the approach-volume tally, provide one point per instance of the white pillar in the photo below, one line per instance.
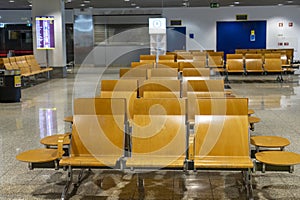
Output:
(57, 56)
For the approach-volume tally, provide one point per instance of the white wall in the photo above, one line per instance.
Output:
(202, 22)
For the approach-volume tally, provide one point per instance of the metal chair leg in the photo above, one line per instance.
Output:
(67, 186)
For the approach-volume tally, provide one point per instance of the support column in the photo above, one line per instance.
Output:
(57, 56)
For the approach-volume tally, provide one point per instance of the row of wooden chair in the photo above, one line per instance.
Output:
(180, 88)
(158, 136)
(166, 72)
(286, 54)
(27, 65)
(200, 59)
(271, 63)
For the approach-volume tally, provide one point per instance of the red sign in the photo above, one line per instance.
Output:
(291, 24)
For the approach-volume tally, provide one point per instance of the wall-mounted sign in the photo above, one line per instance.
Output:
(241, 17)
(252, 35)
(175, 22)
(214, 5)
(45, 32)
(157, 26)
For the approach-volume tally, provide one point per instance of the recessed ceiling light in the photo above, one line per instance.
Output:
(11, 1)
(280, 4)
(30, 5)
(236, 2)
(137, 7)
(231, 5)
(133, 4)
(290, 1)
(87, 1)
(82, 4)
(126, 0)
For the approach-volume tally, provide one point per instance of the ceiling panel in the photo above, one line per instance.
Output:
(70, 4)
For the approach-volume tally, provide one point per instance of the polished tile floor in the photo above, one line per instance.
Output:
(44, 106)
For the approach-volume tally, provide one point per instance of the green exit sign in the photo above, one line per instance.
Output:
(214, 5)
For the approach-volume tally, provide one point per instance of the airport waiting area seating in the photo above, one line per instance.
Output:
(221, 137)
(158, 134)
(145, 121)
(27, 65)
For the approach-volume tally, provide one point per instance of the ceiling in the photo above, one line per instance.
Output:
(70, 4)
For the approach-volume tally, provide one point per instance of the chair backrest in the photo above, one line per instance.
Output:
(166, 58)
(184, 57)
(253, 61)
(273, 62)
(157, 94)
(224, 134)
(159, 129)
(195, 72)
(234, 62)
(148, 58)
(166, 73)
(195, 64)
(192, 107)
(221, 106)
(159, 106)
(98, 127)
(159, 85)
(142, 65)
(122, 88)
(205, 85)
(215, 59)
(174, 65)
(133, 73)
(119, 85)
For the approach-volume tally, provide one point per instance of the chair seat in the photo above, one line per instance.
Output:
(279, 158)
(53, 139)
(269, 141)
(223, 162)
(38, 155)
(155, 162)
(89, 161)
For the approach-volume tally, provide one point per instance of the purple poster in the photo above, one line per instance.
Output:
(45, 32)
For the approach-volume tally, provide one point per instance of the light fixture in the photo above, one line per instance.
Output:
(86, 1)
(133, 4)
(137, 7)
(82, 5)
(231, 5)
(290, 1)
(236, 2)
(126, 0)
(280, 4)
(11, 1)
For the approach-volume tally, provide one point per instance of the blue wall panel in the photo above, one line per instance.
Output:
(236, 35)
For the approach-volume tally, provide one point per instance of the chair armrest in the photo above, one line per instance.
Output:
(60, 144)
